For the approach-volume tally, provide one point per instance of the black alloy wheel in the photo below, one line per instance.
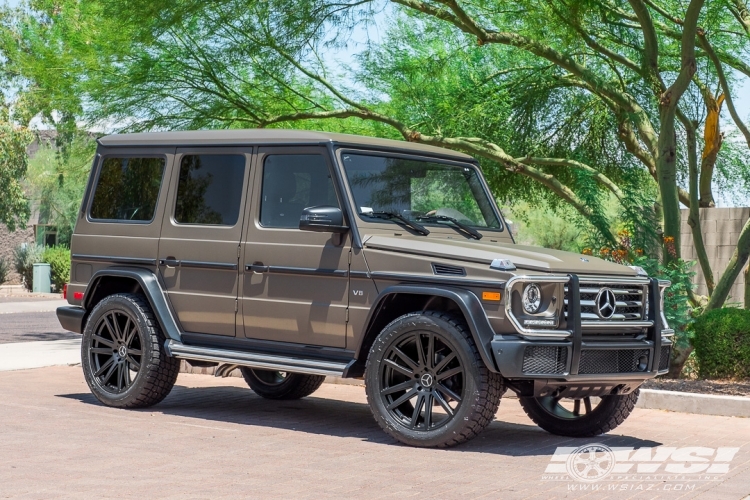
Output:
(420, 374)
(116, 351)
(426, 382)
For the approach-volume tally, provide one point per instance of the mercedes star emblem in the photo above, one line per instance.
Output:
(606, 303)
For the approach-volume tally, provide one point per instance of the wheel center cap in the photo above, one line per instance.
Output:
(426, 380)
(122, 351)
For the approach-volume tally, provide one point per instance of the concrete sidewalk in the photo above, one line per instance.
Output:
(23, 355)
(32, 305)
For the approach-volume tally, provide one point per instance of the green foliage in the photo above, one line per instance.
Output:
(58, 258)
(722, 343)
(24, 258)
(14, 207)
(56, 179)
(541, 226)
(4, 270)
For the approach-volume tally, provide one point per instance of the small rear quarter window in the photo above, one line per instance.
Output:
(127, 189)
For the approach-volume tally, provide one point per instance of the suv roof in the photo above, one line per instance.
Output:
(269, 136)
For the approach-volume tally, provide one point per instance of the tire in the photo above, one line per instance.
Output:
(271, 384)
(557, 418)
(457, 396)
(122, 354)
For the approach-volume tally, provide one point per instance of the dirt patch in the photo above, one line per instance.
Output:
(718, 387)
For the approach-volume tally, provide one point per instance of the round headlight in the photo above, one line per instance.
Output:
(532, 298)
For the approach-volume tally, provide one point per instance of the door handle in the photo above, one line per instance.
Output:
(256, 267)
(169, 262)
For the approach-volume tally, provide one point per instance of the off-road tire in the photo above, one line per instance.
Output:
(293, 386)
(607, 415)
(481, 388)
(157, 372)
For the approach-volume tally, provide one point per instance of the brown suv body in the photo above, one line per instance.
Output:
(215, 244)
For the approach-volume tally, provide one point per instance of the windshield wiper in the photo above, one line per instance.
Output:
(473, 233)
(397, 216)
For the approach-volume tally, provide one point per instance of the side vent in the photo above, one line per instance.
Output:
(445, 270)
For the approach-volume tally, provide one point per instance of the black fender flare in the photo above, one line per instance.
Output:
(153, 291)
(468, 303)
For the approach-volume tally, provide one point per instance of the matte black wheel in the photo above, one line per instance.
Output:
(272, 384)
(584, 417)
(426, 383)
(122, 356)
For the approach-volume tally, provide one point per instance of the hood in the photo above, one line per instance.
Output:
(524, 257)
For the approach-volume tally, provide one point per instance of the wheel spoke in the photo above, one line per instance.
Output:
(128, 380)
(105, 366)
(135, 352)
(398, 367)
(442, 402)
(129, 332)
(428, 411)
(101, 350)
(120, 376)
(430, 351)
(455, 397)
(405, 397)
(104, 341)
(398, 387)
(136, 365)
(577, 407)
(449, 373)
(444, 362)
(406, 359)
(417, 411)
(112, 367)
(420, 350)
(113, 331)
(587, 404)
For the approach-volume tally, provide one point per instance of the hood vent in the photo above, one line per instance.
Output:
(445, 270)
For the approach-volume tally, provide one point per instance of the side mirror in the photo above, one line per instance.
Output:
(323, 219)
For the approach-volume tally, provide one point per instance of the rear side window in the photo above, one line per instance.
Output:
(292, 183)
(127, 189)
(210, 189)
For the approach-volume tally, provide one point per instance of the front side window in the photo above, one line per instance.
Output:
(210, 189)
(423, 191)
(292, 183)
(127, 189)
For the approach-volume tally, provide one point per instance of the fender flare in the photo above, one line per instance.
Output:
(149, 283)
(468, 303)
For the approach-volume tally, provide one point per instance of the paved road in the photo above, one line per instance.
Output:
(213, 438)
(31, 327)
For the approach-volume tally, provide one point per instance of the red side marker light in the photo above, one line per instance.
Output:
(78, 295)
(65, 291)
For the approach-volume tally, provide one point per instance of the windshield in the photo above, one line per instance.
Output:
(423, 191)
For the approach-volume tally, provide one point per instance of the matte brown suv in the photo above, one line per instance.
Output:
(294, 255)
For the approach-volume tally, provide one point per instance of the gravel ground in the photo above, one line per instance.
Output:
(720, 387)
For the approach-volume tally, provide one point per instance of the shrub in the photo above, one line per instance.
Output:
(58, 259)
(4, 271)
(722, 343)
(24, 258)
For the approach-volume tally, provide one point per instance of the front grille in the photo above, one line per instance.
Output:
(666, 352)
(545, 359)
(445, 270)
(629, 302)
(597, 361)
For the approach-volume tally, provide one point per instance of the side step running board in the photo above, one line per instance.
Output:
(255, 360)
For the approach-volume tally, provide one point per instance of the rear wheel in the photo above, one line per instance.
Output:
(584, 417)
(272, 384)
(426, 383)
(122, 354)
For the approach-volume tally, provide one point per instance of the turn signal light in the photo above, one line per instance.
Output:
(65, 291)
(492, 296)
(78, 295)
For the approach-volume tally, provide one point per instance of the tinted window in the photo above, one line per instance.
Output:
(127, 189)
(210, 189)
(292, 183)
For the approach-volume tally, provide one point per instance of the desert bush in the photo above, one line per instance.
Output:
(24, 258)
(58, 258)
(722, 343)
(4, 271)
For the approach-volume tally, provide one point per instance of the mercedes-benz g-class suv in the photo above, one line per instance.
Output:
(294, 255)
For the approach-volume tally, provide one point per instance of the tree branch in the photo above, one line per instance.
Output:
(563, 162)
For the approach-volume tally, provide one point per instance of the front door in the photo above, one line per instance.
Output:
(200, 238)
(295, 284)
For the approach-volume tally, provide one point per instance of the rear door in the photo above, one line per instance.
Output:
(200, 237)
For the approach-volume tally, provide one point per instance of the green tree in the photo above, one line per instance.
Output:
(14, 207)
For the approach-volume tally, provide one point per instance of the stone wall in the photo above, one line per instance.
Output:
(721, 229)
(8, 242)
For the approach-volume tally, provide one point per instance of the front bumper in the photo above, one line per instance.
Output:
(575, 366)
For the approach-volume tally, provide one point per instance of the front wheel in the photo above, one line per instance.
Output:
(426, 383)
(584, 417)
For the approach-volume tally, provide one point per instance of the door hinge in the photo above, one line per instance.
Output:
(236, 305)
(238, 252)
(347, 315)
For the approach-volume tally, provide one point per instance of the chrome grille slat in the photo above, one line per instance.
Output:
(630, 303)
